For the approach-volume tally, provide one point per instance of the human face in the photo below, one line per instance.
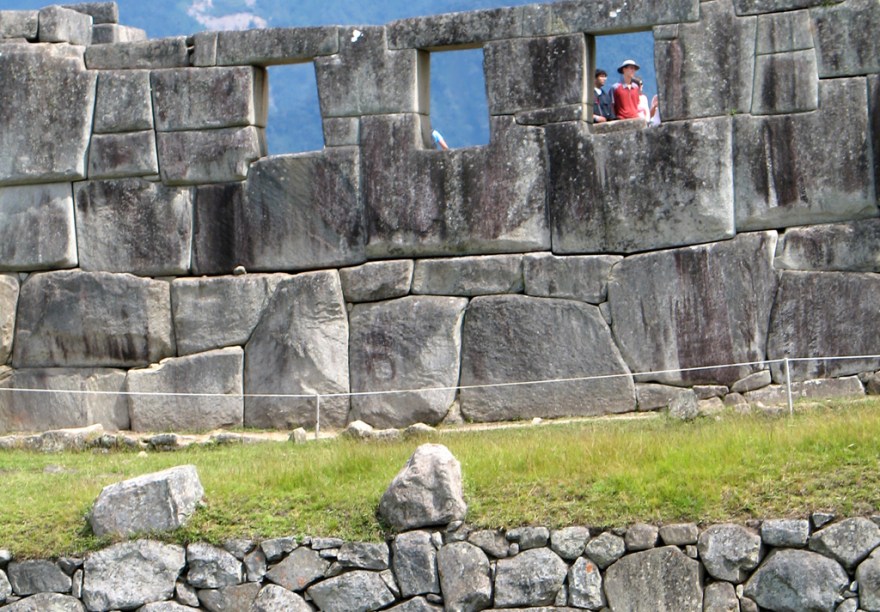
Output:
(628, 73)
(600, 80)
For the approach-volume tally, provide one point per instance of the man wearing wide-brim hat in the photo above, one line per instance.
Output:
(626, 93)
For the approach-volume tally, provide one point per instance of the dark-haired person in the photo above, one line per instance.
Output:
(626, 93)
(602, 105)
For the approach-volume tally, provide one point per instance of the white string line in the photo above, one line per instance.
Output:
(430, 389)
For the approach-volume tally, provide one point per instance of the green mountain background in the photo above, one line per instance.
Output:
(458, 96)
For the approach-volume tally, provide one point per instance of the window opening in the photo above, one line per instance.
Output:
(294, 124)
(612, 51)
(459, 107)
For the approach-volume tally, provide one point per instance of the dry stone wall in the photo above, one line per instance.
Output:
(135, 192)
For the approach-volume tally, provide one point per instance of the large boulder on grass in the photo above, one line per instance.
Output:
(427, 491)
(161, 501)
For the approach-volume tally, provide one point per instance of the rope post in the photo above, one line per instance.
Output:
(317, 415)
(788, 388)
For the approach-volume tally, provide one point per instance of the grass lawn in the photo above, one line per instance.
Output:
(597, 473)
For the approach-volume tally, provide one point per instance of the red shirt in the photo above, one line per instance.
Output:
(626, 101)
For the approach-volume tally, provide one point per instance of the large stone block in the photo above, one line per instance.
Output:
(52, 406)
(806, 168)
(531, 578)
(464, 577)
(46, 601)
(478, 200)
(209, 98)
(211, 313)
(209, 156)
(658, 580)
(215, 230)
(299, 348)
(377, 280)
(46, 106)
(9, 289)
(19, 24)
(785, 83)
(120, 155)
(60, 25)
(841, 247)
(582, 278)
(216, 380)
(37, 227)
(365, 78)
(695, 307)
(780, 32)
(123, 102)
(410, 343)
(797, 580)
(275, 45)
(100, 12)
(455, 29)
(92, 319)
(721, 45)
(517, 339)
(526, 74)
(357, 590)
(156, 53)
(106, 33)
(469, 276)
(611, 193)
(132, 225)
(303, 212)
(605, 16)
(825, 314)
(846, 37)
(755, 7)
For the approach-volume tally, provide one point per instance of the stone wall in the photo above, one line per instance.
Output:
(135, 190)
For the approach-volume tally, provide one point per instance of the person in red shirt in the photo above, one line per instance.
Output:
(626, 93)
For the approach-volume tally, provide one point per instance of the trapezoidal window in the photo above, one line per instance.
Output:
(459, 109)
(294, 124)
(610, 52)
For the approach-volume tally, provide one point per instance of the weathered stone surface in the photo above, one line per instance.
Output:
(729, 552)
(215, 233)
(37, 576)
(123, 102)
(255, 564)
(298, 570)
(100, 12)
(597, 207)
(229, 599)
(23, 411)
(265, 47)
(61, 440)
(531, 578)
(454, 29)
(569, 542)
(829, 388)
(640, 536)
(846, 43)
(781, 32)
(133, 225)
(790, 533)
(164, 606)
(579, 277)
(796, 580)
(19, 24)
(299, 347)
(491, 541)
(849, 541)
(658, 580)
(210, 567)
(107, 33)
(469, 276)
(209, 156)
(150, 54)
(868, 577)
(695, 307)
(679, 534)
(410, 343)
(218, 374)
(46, 602)
(357, 591)
(303, 212)
(844, 247)
(780, 182)
(414, 560)
(755, 380)
(119, 155)
(341, 131)
(478, 200)
(824, 314)
(529, 537)
(209, 98)
(652, 396)
(524, 74)
(46, 106)
(366, 78)
(275, 548)
(605, 16)
(377, 280)
(785, 83)
(464, 577)
(211, 313)
(493, 354)
(92, 319)
(5, 587)
(204, 49)
(130, 574)
(753, 7)
(427, 491)
(605, 549)
(273, 598)
(684, 406)
(720, 597)
(59, 25)
(585, 585)
(37, 227)
(161, 501)
(363, 555)
(416, 604)
(722, 45)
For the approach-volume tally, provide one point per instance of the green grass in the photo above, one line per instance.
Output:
(599, 473)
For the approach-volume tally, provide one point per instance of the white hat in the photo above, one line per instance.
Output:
(627, 63)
